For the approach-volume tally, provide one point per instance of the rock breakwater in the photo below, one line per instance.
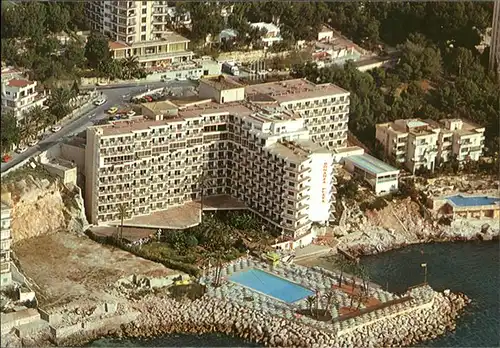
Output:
(164, 315)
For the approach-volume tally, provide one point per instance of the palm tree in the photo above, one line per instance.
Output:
(310, 302)
(130, 67)
(330, 299)
(59, 102)
(122, 211)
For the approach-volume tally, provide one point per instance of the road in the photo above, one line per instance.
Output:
(114, 96)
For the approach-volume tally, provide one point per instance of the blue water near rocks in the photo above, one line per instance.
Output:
(471, 268)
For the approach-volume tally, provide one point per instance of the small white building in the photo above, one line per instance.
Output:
(20, 95)
(382, 177)
(272, 35)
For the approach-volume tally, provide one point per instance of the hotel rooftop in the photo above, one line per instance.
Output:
(285, 91)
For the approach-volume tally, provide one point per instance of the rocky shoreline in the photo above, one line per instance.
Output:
(379, 240)
(163, 315)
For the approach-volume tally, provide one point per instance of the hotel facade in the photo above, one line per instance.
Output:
(253, 143)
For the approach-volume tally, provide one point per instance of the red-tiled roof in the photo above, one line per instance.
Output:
(19, 83)
(113, 45)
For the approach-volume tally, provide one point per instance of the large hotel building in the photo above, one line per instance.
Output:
(269, 145)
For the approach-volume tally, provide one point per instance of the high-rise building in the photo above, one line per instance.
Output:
(424, 144)
(260, 144)
(495, 39)
(139, 28)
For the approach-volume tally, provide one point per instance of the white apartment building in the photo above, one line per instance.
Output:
(5, 240)
(272, 35)
(139, 28)
(425, 144)
(261, 153)
(20, 95)
(495, 39)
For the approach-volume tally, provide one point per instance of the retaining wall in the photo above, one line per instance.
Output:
(410, 309)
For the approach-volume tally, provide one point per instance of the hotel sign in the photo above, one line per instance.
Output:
(324, 189)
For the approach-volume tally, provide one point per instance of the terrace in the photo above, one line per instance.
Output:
(301, 282)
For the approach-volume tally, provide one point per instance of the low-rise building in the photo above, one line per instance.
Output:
(463, 206)
(20, 95)
(425, 144)
(382, 177)
(191, 69)
(272, 33)
(331, 48)
(66, 170)
(6, 240)
(161, 52)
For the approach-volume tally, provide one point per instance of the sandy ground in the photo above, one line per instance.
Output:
(65, 267)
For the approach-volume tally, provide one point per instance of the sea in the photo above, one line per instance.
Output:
(472, 268)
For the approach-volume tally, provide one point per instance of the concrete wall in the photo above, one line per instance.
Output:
(11, 320)
(402, 312)
(75, 154)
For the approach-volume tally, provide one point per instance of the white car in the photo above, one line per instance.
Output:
(194, 78)
(55, 129)
(131, 113)
(21, 149)
(33, 142)
(180, 79)
(100, 102)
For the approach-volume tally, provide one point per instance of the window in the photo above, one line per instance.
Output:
(143, 28)
(143, 37)
(143, 20)
(144, 10)
(144, 3)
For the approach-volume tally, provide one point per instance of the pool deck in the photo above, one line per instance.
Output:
(377, 304)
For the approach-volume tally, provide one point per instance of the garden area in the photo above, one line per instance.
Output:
(219, 238)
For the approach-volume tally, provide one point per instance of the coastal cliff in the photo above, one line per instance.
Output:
(399, 225)
(42, 206)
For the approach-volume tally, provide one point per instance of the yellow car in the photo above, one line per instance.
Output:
(183, 282)
(112, 110)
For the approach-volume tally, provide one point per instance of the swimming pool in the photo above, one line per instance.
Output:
(472, 201)
(271, 285)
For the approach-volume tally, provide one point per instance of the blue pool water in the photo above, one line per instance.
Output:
(271, 285)
(462, 201)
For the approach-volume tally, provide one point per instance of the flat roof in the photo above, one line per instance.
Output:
(462, 201)
(160, 106)
(288, 90)
(371, 164)
(221, 82)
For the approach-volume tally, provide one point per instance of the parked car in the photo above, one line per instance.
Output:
(182, 78)
(112, 110)
(21, 149)
(148, 98)
(100, 102)
(33, 142)
(6, 158)
(194, 78)
(131, 113)
(55, 129)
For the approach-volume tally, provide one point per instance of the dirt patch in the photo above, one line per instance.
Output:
(66, 267)
(348, 310)
(320, 314)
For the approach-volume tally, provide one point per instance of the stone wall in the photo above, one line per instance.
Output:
(250, 56)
